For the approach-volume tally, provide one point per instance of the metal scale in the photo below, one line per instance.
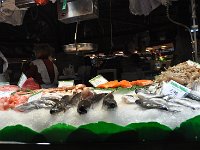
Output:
(70, 11)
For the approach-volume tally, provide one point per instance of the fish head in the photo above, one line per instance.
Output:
(82, 110)
(83, 106)
(109, 103)
(138, 101)
(142, 90)
(55, 110)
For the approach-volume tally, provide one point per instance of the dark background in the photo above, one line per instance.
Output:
(41, 25)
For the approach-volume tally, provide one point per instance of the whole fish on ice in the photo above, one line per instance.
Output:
(144, 94)
(85, 104)
(61, 105)
(109, 102)
(152, 104)
(37, 104)
(129, 99)
(185, 102)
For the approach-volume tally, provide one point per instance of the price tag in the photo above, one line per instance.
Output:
(175, 89)
(66, 83)
(35, 96)
(98, 80)
(4, 83)
(22, 80)
(5, 94)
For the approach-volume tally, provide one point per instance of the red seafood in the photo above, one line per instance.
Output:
(9, 88)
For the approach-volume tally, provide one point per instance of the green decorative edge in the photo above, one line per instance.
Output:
(104, 132)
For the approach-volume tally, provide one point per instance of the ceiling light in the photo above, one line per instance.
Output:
(163, 46)
(149, 48)
(192, 30)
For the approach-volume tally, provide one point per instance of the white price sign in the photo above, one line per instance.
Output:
(65, 83)
(96, 81)
(5, 94)
(36, 96)
(4, 83)
(175, 89)
(22, 80)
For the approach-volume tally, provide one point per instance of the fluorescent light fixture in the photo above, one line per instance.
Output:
(192, 30)
(43, 143)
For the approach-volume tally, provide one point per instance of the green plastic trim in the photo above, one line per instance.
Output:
(104, 132)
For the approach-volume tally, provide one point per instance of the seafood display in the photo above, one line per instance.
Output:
(125, 84)
(121, 102)
(163, 102)
(83, 101)
(12, 96)
(185, 73)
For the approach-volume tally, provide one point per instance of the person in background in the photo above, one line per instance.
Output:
(3, 67)
(43, 70)
(84, 71)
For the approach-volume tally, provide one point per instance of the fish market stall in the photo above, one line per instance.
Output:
(141, 110)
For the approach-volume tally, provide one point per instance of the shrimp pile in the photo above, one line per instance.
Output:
(185, 73)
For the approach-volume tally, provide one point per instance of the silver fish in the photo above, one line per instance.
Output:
(142, 95)
(62, 105)
(196, 86)
(158, 100)
(145, 103)
(129, 99)
(195, 95)
(185, 103)
(59, 107)
(155, 88)
(142, 90)
(165, 102)
(38, 104)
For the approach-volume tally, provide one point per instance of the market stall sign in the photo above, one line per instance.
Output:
(22, 80)
(66, 83)
(175, 89)
(96, 81)
(35, 96)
